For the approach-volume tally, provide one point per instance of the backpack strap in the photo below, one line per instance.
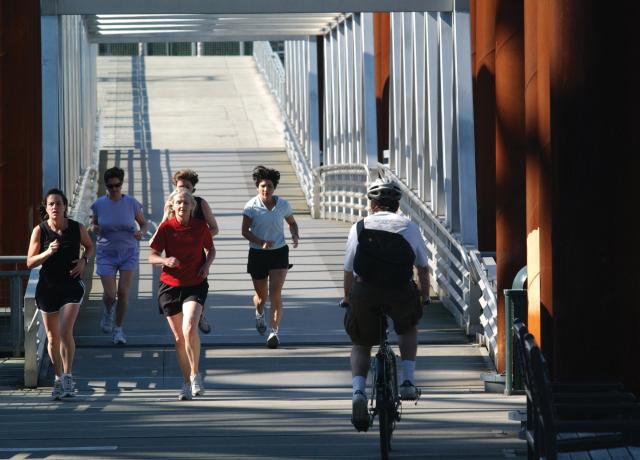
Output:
(360, 227)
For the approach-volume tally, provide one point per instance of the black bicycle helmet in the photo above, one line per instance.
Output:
(384, 189)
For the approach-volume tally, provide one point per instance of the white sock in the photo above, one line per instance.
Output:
(358, 382)
(408, 371)
(259, 315)
(274, 330)
(57, 378)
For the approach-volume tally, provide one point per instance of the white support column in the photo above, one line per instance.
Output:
(446, 111)
(395, 105)
(50, 65)
(361, 155)
(420, 153)
(431, 108)
(369, 95)
(407, 99)
(313, 106)
(464, 122)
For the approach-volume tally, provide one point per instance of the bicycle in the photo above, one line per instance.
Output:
(385, 400)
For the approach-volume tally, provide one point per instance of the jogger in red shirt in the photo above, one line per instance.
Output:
(183, 282)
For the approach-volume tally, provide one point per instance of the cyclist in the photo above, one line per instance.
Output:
(365, 293)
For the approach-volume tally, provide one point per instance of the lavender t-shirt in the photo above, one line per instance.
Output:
(117, 220)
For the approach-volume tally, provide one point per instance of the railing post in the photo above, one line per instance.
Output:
(32, 339)
(16, 313)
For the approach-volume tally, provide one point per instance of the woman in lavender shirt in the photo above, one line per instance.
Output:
(114, 222)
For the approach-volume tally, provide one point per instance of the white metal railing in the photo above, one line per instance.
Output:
(431, 151)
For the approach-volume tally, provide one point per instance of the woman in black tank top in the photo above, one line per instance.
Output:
(55, 246)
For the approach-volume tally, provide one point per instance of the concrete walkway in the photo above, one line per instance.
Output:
(289, 403)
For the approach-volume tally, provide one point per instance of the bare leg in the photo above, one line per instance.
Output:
(408, 343)
(191, 313)
(262, 291)
(360, 360)
(108, 291)
(52, 327)
(175, 323)
(124, 283)
(276, 281)
(68, 315)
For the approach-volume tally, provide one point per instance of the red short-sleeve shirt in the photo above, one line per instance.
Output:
(185, 243)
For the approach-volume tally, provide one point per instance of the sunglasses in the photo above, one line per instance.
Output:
(110, 186)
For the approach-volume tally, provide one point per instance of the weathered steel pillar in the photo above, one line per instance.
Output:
(483, 14)
(538, 170)
(20, 123)
(510, 178)
(594, 99)
(382, 46)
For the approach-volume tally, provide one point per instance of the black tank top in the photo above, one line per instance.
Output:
(197, 213)
(58, 266)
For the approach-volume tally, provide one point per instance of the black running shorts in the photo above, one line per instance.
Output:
(260, 261)
(171, 298)
(52, 296)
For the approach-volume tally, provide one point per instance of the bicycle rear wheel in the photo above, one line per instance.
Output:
(385, 403)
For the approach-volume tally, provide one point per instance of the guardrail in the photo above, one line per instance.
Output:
(15, 299)
(433, 160)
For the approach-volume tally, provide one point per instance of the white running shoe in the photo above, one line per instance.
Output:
(56, 393)
(197, 387)
(409, 392)
(118, 336)
(68, 385)
(273, 341)
(106, 322)
(185, 392)
(261, 327)
(359, 412)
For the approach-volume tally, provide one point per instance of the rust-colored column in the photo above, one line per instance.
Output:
(382, 56)
(594, 104)
(483, 16)
(20, 123)
(538, 170)
(510, 153)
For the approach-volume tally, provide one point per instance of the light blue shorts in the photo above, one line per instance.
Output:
(110, 261)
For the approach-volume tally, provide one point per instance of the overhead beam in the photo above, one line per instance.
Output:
(60, 7)
(236, 36)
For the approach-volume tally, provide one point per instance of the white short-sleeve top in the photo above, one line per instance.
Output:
(268, 224)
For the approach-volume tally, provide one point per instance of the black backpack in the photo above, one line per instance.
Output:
(383, 258)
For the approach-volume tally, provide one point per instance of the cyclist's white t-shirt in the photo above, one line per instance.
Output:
(389, 222)
(268, 224)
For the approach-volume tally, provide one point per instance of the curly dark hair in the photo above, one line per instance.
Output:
(186, 174)
(116, 172)
(261, 173)
(43, 206)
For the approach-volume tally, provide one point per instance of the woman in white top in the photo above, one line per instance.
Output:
(268, 261)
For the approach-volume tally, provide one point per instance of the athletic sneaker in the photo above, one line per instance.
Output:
(185, 392)
(409, 392)
(56, 393)
(359, 412)
(273, 341)
(204, 325)
(106, 322)
(197, 388)
(261, 327)
(118, 336)
(68, 385)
